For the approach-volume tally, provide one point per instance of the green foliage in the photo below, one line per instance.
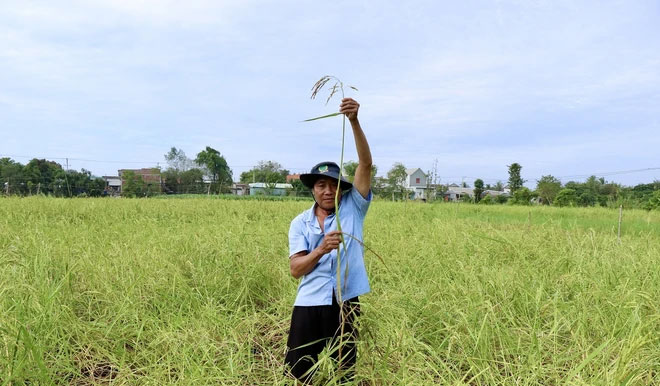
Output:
(351, 166)
(190, 181)
(522, 196)
(177, 160)
(45, 177)
(82, 184)
(198, 291)
(269, 172)
(515, 180)
(217, 168)
(587, 198)
(132, 184)
(566, 197)
(547, 188)
(299, 189)
(487, 200)
(396, 179)
(654, 201)
(466, 198)
(501, 198)
(478, 189)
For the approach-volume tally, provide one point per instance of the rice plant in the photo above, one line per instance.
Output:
(198, 291)
(338, 86)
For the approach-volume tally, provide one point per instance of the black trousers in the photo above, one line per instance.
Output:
(315, 327)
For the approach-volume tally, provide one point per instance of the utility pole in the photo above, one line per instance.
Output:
(618, 233)
(66, 177)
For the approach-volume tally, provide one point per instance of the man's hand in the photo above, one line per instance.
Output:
(350, 107)
(330, 242)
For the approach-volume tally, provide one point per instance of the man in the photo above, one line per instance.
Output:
(320, 317)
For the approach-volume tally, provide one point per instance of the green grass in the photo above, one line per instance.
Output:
(198, 291)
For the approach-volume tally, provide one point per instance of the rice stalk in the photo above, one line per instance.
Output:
(337, 86)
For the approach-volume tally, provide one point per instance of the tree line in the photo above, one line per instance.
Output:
(209, 173)
(594, 191)
(40, 176)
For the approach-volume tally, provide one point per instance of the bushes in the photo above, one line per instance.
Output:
(654, 201)
(566, 197)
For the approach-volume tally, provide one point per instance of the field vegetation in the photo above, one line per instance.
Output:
(198, 291)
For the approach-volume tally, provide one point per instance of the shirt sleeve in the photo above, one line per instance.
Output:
(297, 241)
(361, 203)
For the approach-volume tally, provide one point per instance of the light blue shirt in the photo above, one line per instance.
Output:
(315, 288)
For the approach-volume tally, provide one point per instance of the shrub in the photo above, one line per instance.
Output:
(566, 197)
(487, 200)
(654, 201)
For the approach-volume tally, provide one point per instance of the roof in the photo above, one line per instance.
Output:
(412, 171)
(460, 191)
(264, 185)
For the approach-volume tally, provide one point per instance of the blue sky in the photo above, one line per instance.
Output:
(568, 88)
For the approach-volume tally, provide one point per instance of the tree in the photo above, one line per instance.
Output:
(269, 172)
(566, 197)
(654, 201)
(11, 177)
(132, 184)
(351, 166)
(522, 196)
(45, 177)
(396, 178)
(587, 198)
(515, 181)
(177, 160)
(547, 188)
(217, 168)
(192, 181)
(487, 200)
(298, 188)
(499, 186)
(501, 198)
(478, 189)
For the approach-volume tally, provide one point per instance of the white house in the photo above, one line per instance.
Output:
(455, 193)
(416, 182)
(258, 188)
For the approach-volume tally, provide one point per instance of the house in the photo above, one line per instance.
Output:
(260, 188)
(494, 193)
(240, 189)
(456, 193)
(150, 176)
(416, 183)
(112, 185)
(292, 177)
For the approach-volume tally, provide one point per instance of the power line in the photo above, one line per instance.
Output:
(605, 174)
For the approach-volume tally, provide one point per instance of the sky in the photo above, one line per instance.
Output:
(567, 88)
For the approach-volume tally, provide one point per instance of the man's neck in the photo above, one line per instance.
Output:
(323, 213)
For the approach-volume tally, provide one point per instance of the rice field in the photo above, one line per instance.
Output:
(198, 291)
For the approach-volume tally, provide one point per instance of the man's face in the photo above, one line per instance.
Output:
(324, 192)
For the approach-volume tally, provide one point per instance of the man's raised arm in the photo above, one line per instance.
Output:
(362, 180)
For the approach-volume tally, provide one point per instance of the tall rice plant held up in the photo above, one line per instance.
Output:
(338, 86)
